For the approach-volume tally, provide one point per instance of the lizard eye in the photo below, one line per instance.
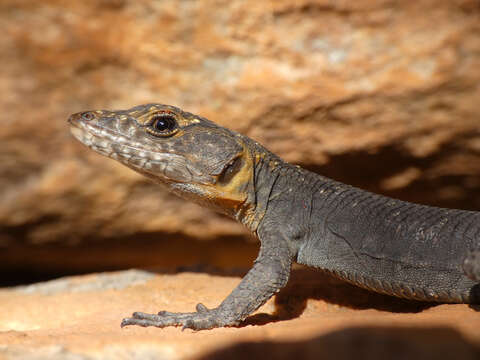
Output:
(162, 124)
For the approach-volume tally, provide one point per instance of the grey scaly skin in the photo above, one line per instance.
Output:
(385, 245)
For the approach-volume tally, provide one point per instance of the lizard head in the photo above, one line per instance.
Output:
(191, 155)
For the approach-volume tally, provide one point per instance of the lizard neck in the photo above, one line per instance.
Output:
(242, 190)
(264, 173)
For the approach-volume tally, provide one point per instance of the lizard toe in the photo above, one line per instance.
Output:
(201, 320)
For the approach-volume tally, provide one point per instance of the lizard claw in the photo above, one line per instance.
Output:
(201, 308)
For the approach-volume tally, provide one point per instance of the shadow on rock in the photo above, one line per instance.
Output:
(306, 283)
(361, 343)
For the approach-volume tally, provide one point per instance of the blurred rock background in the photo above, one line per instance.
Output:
(379, 94)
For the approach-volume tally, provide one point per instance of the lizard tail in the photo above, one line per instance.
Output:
(471, 265)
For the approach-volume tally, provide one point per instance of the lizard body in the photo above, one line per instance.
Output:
(382, 244)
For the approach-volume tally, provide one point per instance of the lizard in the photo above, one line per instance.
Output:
(382, 244)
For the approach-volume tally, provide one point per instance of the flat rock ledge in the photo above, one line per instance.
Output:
(314, 317)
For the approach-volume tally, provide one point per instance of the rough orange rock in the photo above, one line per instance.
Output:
(314, 317)
(379, 94)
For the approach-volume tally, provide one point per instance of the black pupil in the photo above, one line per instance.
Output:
(164, 123)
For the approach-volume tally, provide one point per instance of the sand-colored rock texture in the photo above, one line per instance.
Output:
(315, 317)
(376, 93)
(379, 94)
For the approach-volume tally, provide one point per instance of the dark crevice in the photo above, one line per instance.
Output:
(95, 64)
(369, 171)
(21, 232)
(316, 9)
(162, 252)
(113, 5)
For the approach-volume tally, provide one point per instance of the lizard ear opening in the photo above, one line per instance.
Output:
(230, 170)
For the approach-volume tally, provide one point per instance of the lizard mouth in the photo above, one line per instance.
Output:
(160, 165)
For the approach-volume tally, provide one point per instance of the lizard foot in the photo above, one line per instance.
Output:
(202, 319)
(471, 265)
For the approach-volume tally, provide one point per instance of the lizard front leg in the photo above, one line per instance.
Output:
(269, 274)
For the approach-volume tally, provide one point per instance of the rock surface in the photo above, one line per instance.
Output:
(379, 94)
(315, 317)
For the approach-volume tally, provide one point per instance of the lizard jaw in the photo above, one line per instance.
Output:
(161, 166)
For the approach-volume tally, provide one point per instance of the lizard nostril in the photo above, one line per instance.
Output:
(88, 116)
